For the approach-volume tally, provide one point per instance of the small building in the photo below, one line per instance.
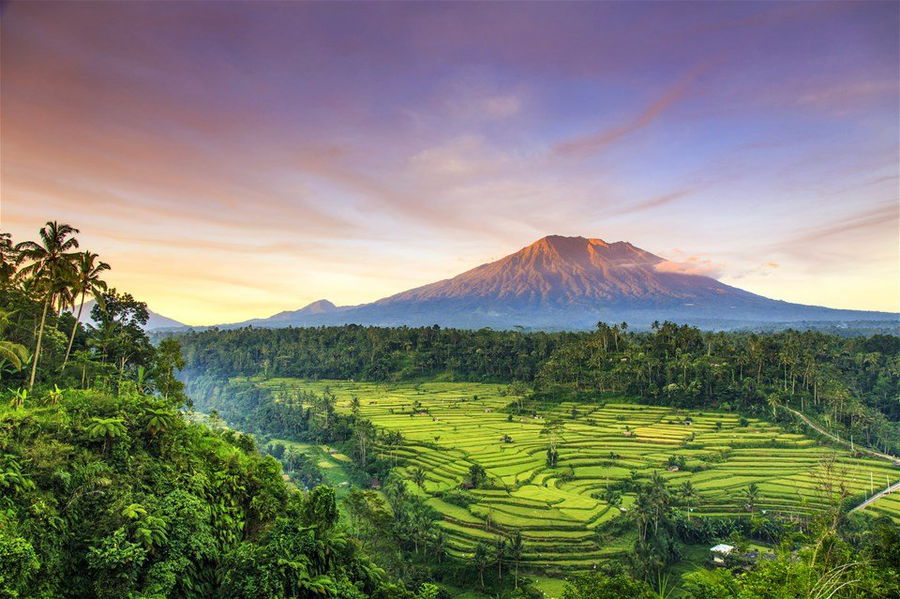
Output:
(720, 552)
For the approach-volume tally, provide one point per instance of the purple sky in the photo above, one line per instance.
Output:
(232, 160)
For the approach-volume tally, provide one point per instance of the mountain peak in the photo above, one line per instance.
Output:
(566, 282)
(585, 252)
(322, 306)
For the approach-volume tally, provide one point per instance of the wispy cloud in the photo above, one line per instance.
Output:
(593, 142)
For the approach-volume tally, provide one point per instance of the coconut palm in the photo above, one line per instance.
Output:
(751, 495)
(50, 265)
(515, 551)
(688, 495)
(480, 559)
(87, 281)
(499, 555)
(418, 477)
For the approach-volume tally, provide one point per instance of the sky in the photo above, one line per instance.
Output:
(232, 160)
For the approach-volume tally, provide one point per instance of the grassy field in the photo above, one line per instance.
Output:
(447, 427)
(328, 460)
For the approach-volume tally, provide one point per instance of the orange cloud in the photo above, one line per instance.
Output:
(692, 266)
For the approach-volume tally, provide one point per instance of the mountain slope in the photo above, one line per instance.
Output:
(572, 282)
(565, 271)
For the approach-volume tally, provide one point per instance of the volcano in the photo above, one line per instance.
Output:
(572, 283)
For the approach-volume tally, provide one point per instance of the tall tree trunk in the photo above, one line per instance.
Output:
(40, 338)
(72, 336)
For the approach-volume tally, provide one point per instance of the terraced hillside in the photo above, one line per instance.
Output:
(448, 427)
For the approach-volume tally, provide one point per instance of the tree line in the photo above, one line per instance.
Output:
(851, 385)
(370, 353)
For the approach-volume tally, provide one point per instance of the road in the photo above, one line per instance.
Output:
(884, 456)
(894, 487)
(893, 459)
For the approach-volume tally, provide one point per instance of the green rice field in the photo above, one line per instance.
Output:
(448, 427)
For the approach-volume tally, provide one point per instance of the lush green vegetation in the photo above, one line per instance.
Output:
(434, 434)
(116, 495)
(370, 353)
(108, 490)
(440, 463)
(849, 385)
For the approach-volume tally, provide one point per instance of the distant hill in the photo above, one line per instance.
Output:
(571, 283)
(289, 317)
(156, 321)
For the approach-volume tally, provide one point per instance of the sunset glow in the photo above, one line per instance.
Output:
(233, 160)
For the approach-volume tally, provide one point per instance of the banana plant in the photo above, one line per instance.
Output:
(18, 398)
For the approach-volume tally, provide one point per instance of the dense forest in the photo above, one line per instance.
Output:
(107, 489)
(370, 353)
(850, 385)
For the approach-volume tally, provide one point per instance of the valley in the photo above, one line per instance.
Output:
(573, 515)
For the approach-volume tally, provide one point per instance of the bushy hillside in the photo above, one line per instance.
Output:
(118, 496)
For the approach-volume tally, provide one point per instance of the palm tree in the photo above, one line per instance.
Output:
(480, 559)
(51, 266)
(500, 555)
(418, 477)
(688, 496)
(515, 551)
(87, 281)
(772, 400)
(751, 494)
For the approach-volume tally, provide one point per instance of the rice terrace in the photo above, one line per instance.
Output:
(570, 514)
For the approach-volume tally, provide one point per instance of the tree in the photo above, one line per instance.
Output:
(107, 429)
(363, 433)
(320, 509)
(87, 281)
(120, 336)
(613, 497)
(480, 559)
(515, 552)
(167, 361)
(8, 258)
(751, 494)
(688, 495)
(499, 555)
(477, 475)
(596, 585)
(418, 477)
(50, 265)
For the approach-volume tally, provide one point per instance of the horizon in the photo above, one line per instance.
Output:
(232, 161)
